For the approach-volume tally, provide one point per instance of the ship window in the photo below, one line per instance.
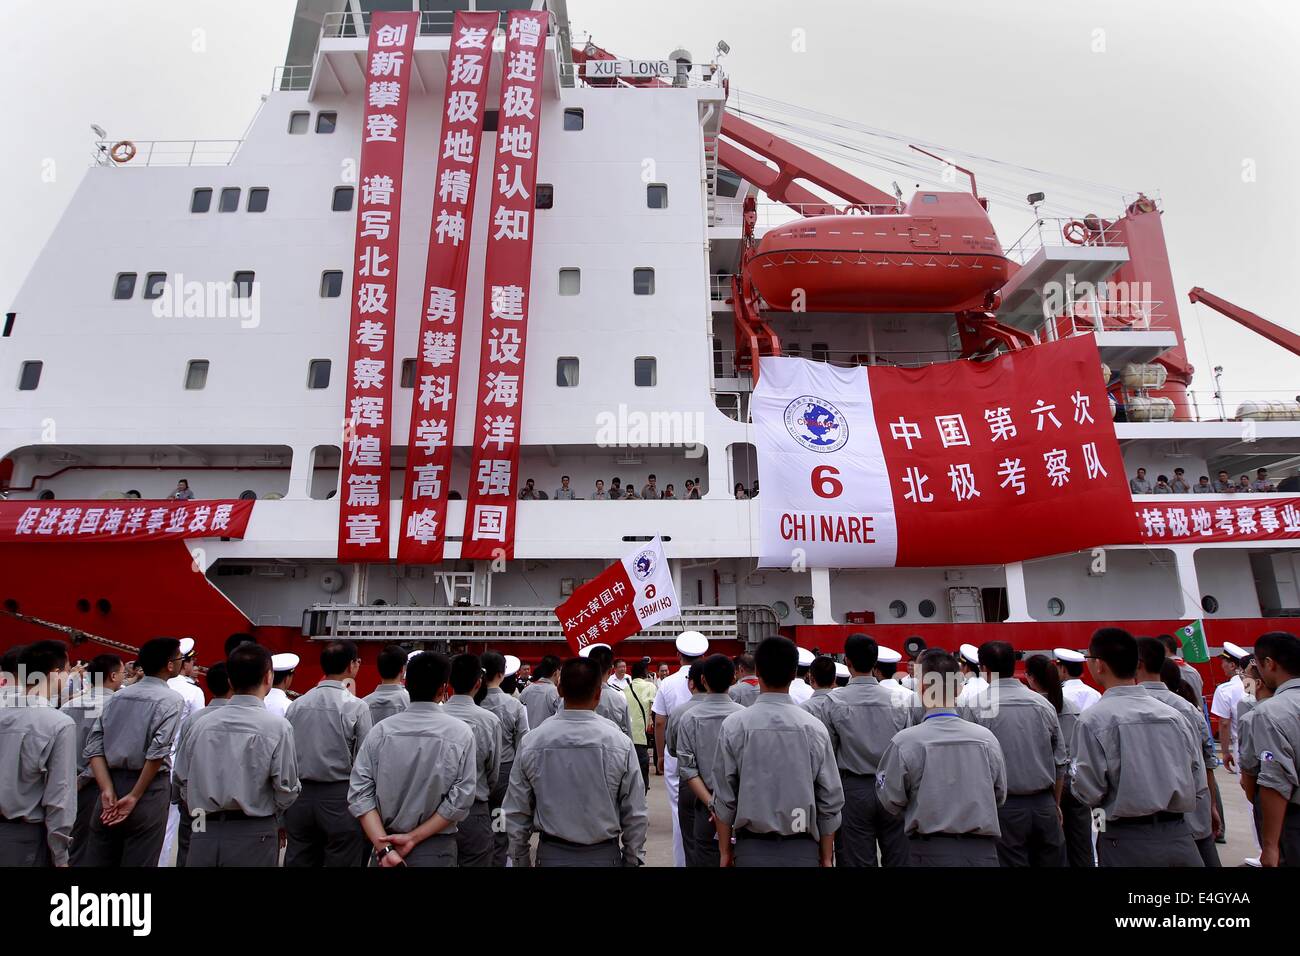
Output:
(331, 284)
(574, 119)
(326, 121)
(645, 371)
(229, 200)
(570, 281)
(1209, 604)
(30, 376)
(1055, 607)
(201, 201)
(491, 120)
(318, 373)
(929, 199)
(124, 287)
(926, 608)
(298, 122)
(257, 199)
(243, 285)
(643, 281)
(545, 196)
(196, 375)
(656, 196)
(408, 373)
(342, 198)
(155, 284)
(566, 371)
(897, 608)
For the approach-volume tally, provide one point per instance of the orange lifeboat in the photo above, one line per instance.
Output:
(939, 253)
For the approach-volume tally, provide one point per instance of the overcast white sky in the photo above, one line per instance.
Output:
(1184, 93)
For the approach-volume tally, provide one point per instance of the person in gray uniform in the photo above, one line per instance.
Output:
(218, 681)
(945, 775)
(514, 727)
(1275, 743)
(613, 702)
(474, 833)
(696, 731)
(863, 718)
(1204, 821)
(105, 674)
(1188, 672)
(745, 690)
(778, 787)
(1044, 678)
(685, 798)
(237, 771)
(129, 749)
(540, 698)
(1136, 760)
(389, 696)
(821, 675)
(1036, 756)
(38, 763)
(329, 724)
(576, 783)
(416, 773)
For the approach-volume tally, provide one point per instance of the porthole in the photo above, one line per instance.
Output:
(1209, 604)
(926, 608)
(897, 608)
(1055, 607)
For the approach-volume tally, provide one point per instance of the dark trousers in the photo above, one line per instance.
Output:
(555, 852)
(763, 849)
(321, 829)
(1209, 852)
(1289, 845)
(23, 844)
(1031, 831)
(943, 849)
(137, 840)
(474, 844)
(706, 838)
(1166, 842)
(437, 851)
(1078, 831)
(500, 839)
(88, 805)
(184, 831)
(643, 758)
(230, 841)
(864, 824)
(686, 801)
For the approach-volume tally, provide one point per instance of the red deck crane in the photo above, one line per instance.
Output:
(1256, 323)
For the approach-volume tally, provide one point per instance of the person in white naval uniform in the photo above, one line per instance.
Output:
(277, 698)
(673, 693)
(969, 658)
(1227, 696)
(185, 685)
(1070, 665)
(800, 689)
(887, 661)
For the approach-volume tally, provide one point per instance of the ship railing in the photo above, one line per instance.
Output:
(724, 360)
(292, 77)
(171, 152)
(344, 24)
(1082, 232)
(771, 215)
(697, 76)
(720, 286)
(1105, 315)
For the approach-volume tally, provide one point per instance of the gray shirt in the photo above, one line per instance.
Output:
(698, 728)
(487, 741)
(328, 727)
(776, 771)
(541, 699)
(744, 693)
(413, 765)
(38, 770)
(1193, 678)
(83, 709)
(576, 778)
(819, 704)
(1275, 740)
(514, 721)
(138, 723)
(1028, 730)
(239, 757)
(1140, 486)
(386, 700)
(564, 494)
(1134, 756)
(1201, 821)
(945, 775)
(675, 718)
(864, 717)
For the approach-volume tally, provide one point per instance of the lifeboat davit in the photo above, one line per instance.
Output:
(939, 253)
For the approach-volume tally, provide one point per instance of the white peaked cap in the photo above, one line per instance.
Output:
(887, 655)
(806, 657)
(1067, 655)
(692, 644)
(512, 665)
(1235, 651)
(411, 656)
(971, 653)
(841, 670)
(586, 651)
(187, 646)
(282, 663)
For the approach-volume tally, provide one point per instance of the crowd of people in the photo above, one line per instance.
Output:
(1140, 484)
(617, 491)
(785, 757)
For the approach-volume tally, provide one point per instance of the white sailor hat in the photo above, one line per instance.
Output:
(187, 646)
(1234, 652)
(970, 653)
(586, 651)
(1067, 656)
(806, 657)
(692, 644)
(512, 665)
(411, 656)
(887, 655)
(283, 663)
(841, 670)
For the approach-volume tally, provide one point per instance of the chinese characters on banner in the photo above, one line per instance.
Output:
(958, 463)
(433, 408)
(125, 520)
(367, 433)
(494, 470)
(1206, 519)
(627, 597)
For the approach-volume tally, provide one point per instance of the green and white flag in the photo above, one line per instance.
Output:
(1192, 640)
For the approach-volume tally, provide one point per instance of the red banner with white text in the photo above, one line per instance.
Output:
(1198, 519)
(437, 374)
(367, 429)
(125, 520)
(494, 472)
(624, 599)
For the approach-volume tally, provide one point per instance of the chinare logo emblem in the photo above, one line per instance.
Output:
(816, 424)
(643, 565)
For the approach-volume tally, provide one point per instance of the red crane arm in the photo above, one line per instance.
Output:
(1256, 323)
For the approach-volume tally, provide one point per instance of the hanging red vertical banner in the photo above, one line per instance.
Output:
(367, 429)
(494, 472)
(437, 374)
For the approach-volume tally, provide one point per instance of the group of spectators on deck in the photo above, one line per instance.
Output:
(1140, 484)
(617, 491)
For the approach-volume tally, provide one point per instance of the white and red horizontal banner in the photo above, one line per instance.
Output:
(959, 463)
(625, 598)
(100, 521)
(1216, 519)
